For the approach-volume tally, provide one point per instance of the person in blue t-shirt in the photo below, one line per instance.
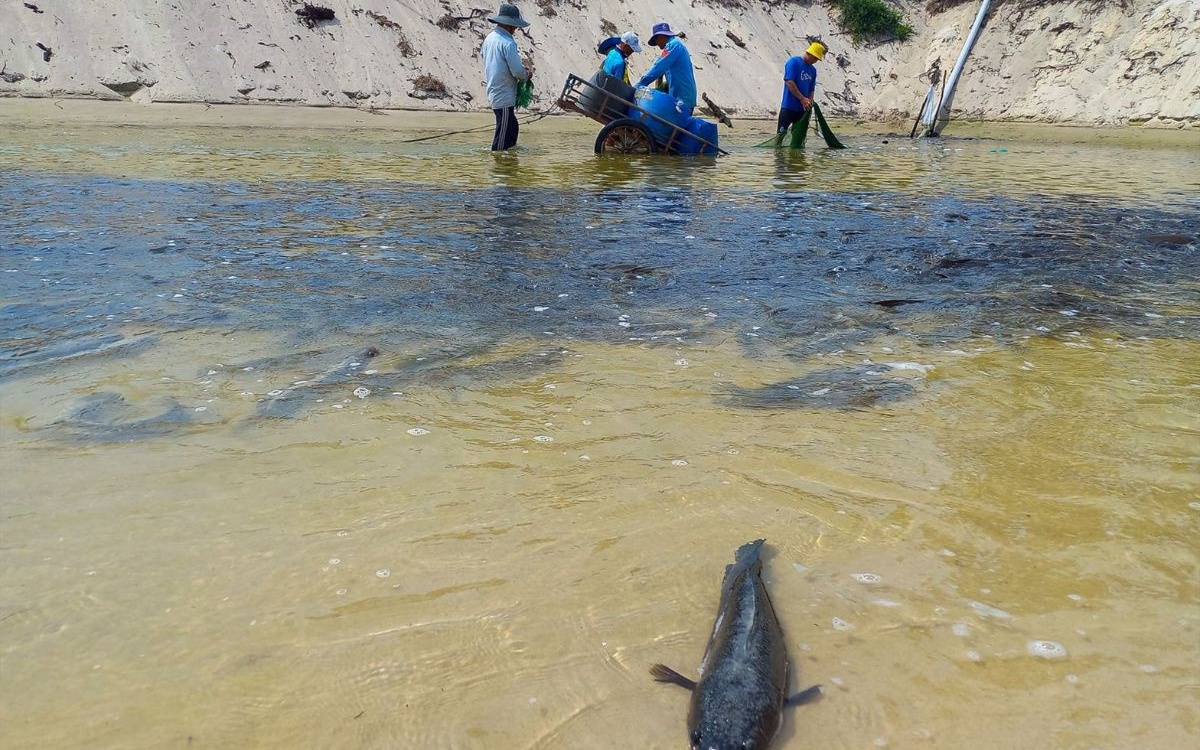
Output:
(675, 64)
(799, 85)
(616, 63)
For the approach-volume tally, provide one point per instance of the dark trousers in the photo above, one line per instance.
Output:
(507, 128)
(786, 118)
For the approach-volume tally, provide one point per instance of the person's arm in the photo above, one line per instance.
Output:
(614, 64)
(804, 100)
(661, 66)
(512, 58)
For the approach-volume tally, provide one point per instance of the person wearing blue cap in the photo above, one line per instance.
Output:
(503, 70)
(675, 64)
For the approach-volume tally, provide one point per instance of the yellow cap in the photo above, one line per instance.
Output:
(817, 50)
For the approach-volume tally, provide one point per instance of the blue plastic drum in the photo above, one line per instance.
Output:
(665, 106)
(692, 145)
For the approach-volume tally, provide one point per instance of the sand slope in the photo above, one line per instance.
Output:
(1079, 61)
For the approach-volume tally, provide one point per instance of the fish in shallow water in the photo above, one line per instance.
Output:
(738, 702)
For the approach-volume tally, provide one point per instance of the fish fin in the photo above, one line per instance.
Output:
(804, 696)
(663, 673)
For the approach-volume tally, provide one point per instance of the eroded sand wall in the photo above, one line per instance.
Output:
(1080, 61)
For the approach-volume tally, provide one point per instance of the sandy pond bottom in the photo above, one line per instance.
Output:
(317, 437)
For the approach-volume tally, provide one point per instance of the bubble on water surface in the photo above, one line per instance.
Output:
(334, 560)
(275, 393)
(988, 610)
(840, 624)
(417, 431)
(974, 656)
(961, 629)
(383, 573)
(679, 462)
(1148, 668)
(1046, 649)
(885, 603)
(543, 439)
(866, 577)
(540, 308)
(362, 392)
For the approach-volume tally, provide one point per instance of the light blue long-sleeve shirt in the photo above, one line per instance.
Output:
(676, 65)
(502, 68)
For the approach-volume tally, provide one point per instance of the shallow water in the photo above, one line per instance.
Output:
(318, 438)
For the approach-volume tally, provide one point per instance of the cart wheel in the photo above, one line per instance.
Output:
(625, 136)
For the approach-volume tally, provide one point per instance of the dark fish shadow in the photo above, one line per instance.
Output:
(45, 356)
(106, 417)
(847, 388)
(452, 370)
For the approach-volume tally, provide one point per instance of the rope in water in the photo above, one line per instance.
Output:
(536, 116)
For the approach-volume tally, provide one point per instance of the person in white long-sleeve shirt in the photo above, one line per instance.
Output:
(503, 70)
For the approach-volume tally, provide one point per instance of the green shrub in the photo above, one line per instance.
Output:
(872, 19)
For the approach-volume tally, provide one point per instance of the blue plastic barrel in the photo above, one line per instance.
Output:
(698, 128)
(665, 106)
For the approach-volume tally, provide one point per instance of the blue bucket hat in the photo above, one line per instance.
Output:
(661, 28)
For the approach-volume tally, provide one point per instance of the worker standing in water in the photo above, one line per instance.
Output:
(503, 70)
(675, 64)
(799, 86)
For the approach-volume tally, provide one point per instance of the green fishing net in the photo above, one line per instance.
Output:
(524, 93)
(799, 132)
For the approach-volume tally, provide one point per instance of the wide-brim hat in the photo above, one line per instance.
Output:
(509, 15)
(662, 28)
(817, 50)
(631, 39)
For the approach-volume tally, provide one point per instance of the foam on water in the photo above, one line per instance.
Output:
(1046, 649)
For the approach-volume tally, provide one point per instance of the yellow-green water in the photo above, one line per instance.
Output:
(528, 507)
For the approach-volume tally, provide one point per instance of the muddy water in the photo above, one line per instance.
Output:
(314, 437)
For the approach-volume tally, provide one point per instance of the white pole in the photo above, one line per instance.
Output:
(943, 113)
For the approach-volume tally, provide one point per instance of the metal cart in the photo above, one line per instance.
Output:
(625, 130)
